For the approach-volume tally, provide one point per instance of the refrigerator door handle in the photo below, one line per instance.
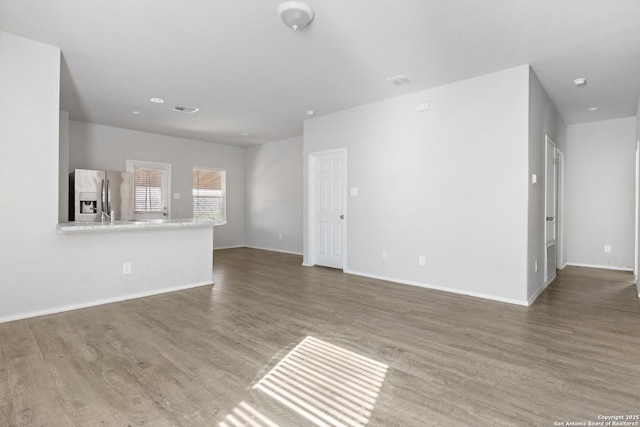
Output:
(108, 211)
(103, 197)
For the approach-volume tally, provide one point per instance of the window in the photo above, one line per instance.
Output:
(151, 188)
(209, 194)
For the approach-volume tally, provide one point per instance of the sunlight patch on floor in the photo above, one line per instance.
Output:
(326, 384)
(245, 415)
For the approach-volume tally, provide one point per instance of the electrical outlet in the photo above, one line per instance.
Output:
(422, 260)
(126, 268)
(607, 249)
(384, 254)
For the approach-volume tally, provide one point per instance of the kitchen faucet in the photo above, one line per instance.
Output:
(104, 214)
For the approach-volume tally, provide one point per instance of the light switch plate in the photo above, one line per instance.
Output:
(354, 191)
(176, 196)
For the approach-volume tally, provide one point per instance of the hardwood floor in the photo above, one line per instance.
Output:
(212, 355)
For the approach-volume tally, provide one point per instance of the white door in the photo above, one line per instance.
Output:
(329, 209)
(551, 210)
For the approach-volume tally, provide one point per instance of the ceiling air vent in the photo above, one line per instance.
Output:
(400, 80)
(185, 109)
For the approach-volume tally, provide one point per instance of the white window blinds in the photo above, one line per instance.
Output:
(149, 184)
(209, 194)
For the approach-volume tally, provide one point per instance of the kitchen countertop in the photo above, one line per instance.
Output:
(132, 225)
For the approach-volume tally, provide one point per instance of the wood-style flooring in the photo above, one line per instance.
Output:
(237, 353)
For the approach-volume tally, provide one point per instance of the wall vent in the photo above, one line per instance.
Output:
(400, 80)
(185, 109)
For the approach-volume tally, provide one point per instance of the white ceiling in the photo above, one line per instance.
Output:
(248, 73)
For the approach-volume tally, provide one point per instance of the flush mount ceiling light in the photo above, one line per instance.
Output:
(580, 82)
(593, 108)
(157, 100)
(310, 113)
(295, 14)
(136, 112)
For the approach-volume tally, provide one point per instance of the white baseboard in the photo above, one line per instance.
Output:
(229, 247)
(441, 288)
(100, 302)
(259, 248)
(606, 267)
(273, 250)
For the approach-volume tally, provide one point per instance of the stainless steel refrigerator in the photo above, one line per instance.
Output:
(93, 192)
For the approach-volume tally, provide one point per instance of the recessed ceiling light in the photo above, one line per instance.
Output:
(580, 82)
(593, 108)
(310, 113)
(157, 100)
(245, 134)
(136, 112)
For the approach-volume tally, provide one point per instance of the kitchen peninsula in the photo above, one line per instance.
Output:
(104, 262)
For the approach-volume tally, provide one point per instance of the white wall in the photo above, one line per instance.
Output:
(273, 199)
(95, 146)
(544, 119)
(450, 184)
(600, 193)
(29, 84)
(41, 270)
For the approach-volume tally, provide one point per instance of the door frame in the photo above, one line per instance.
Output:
(561, 263)
(636, 260)
(312, 167)
(548, 141)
